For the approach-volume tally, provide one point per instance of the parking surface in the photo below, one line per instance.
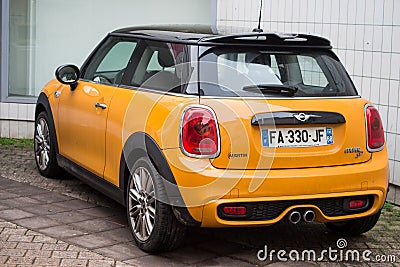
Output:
(63, 222)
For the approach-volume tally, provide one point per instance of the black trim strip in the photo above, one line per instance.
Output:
(269, 210)
(143, 36)
(139, 145)
(297, 118)
(92, 180)
(43, 103)
(271, 39)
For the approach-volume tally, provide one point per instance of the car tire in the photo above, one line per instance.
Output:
(153, 224)
(45, 147)
(356, 226)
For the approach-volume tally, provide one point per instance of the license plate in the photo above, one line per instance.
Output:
(297, 137)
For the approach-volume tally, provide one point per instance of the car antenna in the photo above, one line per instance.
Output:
(258, 29)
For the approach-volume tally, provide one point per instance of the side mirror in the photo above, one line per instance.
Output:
(68, 74)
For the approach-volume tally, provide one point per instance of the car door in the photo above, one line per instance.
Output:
(83, 112)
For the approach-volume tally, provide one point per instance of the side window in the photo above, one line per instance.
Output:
(311, 72)
(117, 58)
(154, 65)
(109, 63)
(159, 67)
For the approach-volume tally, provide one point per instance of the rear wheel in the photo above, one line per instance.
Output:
(152, 222)
(45, 147)
(356, 226)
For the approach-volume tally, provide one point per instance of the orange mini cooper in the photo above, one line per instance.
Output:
(189, 127)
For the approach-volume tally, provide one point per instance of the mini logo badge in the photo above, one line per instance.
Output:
(304, 117)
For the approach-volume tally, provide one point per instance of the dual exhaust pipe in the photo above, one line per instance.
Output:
(295, 216)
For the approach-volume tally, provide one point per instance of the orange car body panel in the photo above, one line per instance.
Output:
(205, 183)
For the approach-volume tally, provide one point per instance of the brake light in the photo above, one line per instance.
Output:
(199, 132)
(375, 133)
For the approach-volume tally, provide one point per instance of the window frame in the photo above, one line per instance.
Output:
(280, 51)
(4, 59)
(95, 58)
(132, 66)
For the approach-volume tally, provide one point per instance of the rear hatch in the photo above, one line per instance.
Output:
(333, 134)
(283, 106)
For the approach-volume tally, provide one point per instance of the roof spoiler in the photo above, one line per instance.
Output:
(270, 39)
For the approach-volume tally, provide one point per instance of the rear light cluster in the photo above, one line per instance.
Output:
(375, 132)
(199, 132)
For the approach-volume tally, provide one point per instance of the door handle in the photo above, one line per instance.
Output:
(100, 105)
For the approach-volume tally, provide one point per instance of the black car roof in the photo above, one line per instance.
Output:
(207, 35)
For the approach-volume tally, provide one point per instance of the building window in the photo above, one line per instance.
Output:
(40, 35)
(21, 76)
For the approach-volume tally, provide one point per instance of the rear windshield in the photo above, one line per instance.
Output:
(261, 72)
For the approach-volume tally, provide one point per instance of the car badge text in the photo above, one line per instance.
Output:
(239, 155)
(354, 150)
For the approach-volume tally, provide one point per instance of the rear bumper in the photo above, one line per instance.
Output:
(204, 188)
(212, 219)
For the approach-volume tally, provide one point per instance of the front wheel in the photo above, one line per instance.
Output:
(45, 147)
(356, 226)
(152, 222)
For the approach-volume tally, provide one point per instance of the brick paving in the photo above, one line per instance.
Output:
(63, 222)
(20, 246)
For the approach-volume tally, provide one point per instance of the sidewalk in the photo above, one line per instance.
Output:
(63, 222)
(20, 246)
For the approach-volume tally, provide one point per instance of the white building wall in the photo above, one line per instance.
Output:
(17, 120)
(364, 33)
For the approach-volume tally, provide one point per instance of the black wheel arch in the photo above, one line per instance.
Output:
(43, 104)
(140, 145)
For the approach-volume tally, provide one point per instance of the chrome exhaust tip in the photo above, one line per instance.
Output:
(294, 217)
(309, 216)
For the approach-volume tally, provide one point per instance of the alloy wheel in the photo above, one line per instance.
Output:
(142, 203)
(42, 144)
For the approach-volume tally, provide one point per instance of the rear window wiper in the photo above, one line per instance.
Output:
(271, 88)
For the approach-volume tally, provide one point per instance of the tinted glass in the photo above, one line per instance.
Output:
(259, 72)
(109, 63)
(161, 67)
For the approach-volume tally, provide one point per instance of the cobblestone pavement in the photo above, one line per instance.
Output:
(63, 222)
(20, 246)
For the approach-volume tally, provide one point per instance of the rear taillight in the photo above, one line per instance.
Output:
(375, 133)
(199, 132)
